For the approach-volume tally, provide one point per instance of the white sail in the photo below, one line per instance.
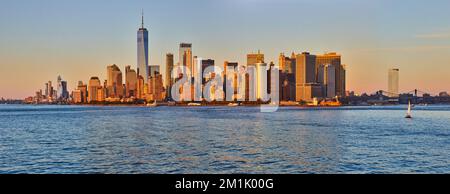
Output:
(408, 114)
(409, 108)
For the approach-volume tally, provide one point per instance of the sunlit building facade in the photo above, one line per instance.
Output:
(230, 80)
(305, 81)
(156, 87)
(94, 85)
(153, 70)
(83, 88)
(114, 82)
(255, 58)
(130, 82)
(185, 58)
(77, 96)
(140, 90)
(393, 82)
(334, 59)
(168, 81)
(327, 77)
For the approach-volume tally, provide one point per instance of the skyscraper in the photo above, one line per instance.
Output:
(65, 93)
(50, 90)
(77, 96)
(305, 80)
(292, 65)
(101, 91)
(197, 69)
(282, 62)
(59, 87)
(261, 81)
(185, 57)
(94, 85)
(62, 92)
(153, 70)
(169, 67)
(327, 77)
(333, 58)
(205, 64)
(342, 80)
(142, 51)
(393, 82)
(130, 82)
(305, 68)
(287, 65)
(83, 91)
(46, 89)
(140, 90)
(255, 58)
(155, 86)
(287, 76)
(114, 82)
(230, 80)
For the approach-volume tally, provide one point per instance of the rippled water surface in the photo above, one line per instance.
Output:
(88, 139)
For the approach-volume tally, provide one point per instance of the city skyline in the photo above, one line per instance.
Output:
(43, 52)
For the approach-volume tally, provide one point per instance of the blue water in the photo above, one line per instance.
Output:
(88, 139)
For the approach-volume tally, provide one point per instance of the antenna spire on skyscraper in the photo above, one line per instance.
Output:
(142, 18)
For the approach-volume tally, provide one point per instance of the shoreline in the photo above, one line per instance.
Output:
(198, 104)
(210, 105)
(185, 105)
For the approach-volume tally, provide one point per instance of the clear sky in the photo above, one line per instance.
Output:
(77, 39)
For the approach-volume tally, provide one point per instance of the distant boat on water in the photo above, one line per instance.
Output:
(233, 104)
(408, 114)
(194, 104)
(152, 104)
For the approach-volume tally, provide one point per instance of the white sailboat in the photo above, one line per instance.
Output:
(408, 114)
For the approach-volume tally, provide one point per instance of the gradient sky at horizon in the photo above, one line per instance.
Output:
(40, 40)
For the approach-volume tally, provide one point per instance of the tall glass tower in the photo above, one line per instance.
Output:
(393, 83)
(142, 51)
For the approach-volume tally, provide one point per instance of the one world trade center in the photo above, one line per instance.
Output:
(142, 51)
